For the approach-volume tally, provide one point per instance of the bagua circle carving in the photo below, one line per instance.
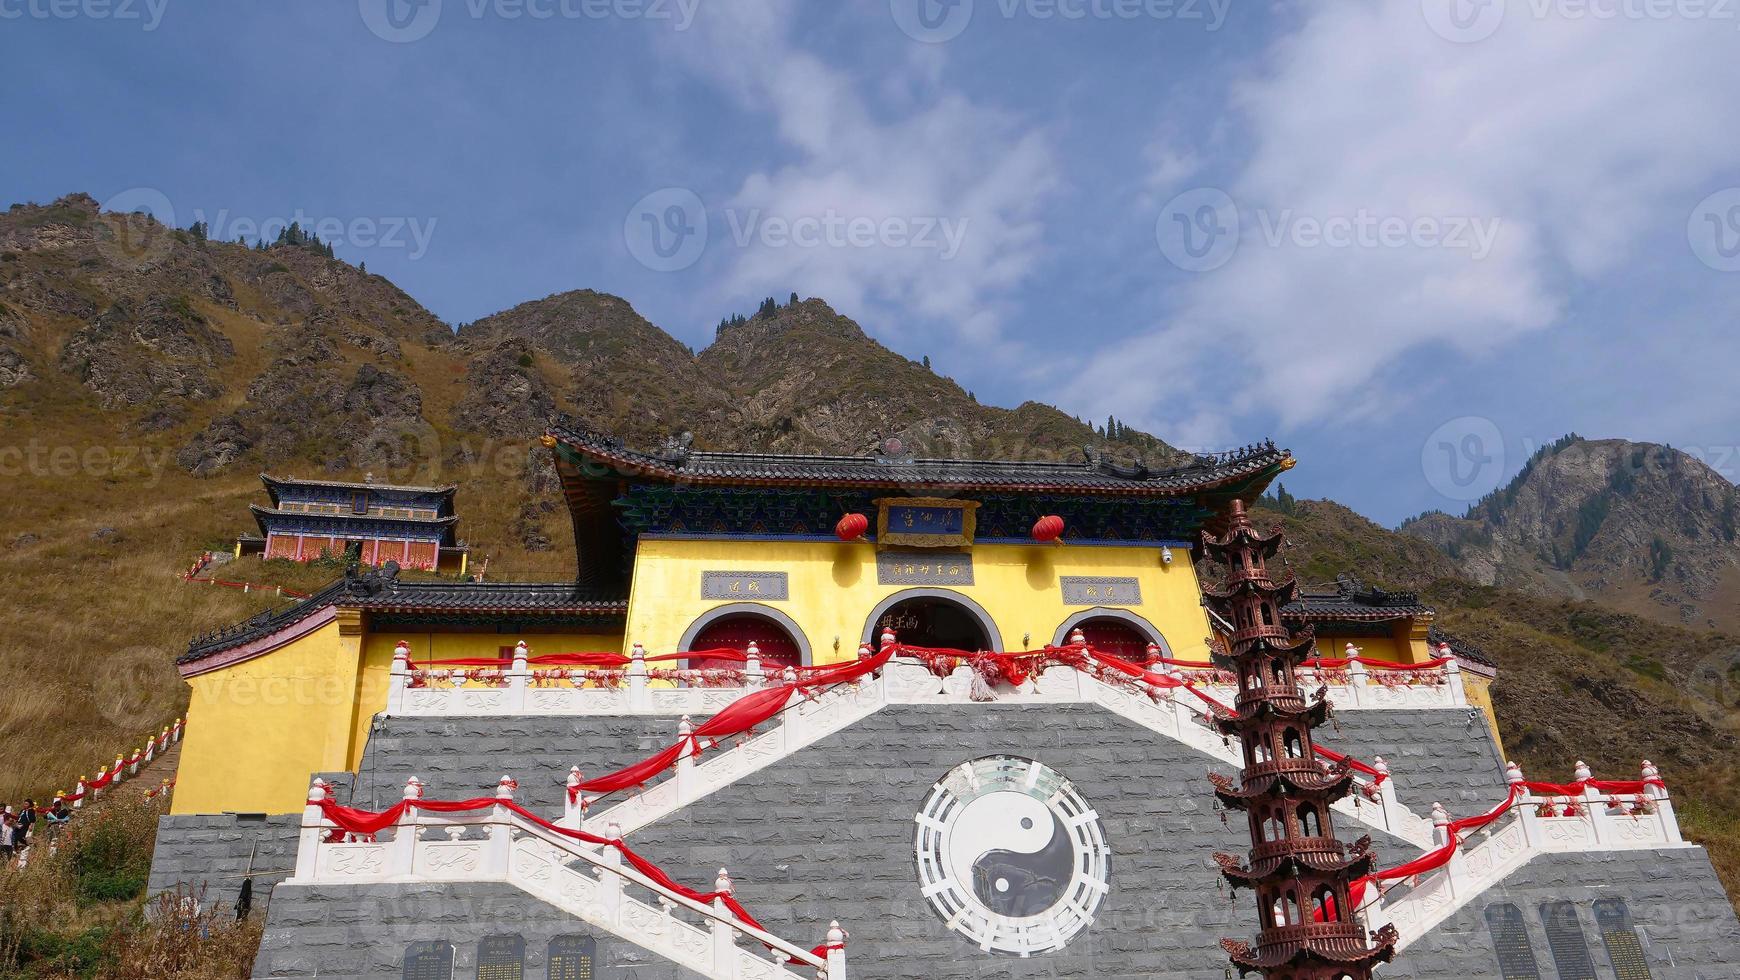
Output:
(1011, 856)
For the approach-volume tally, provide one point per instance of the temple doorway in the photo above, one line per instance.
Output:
(934, 621)
(1118, 637)
(778, 648)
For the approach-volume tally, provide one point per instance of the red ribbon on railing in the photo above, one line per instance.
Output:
(735, 718)
(584, 659)
(366, 823)
(1334, 663)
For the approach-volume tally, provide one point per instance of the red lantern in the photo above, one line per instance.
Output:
(1048, 528)
(852, 527)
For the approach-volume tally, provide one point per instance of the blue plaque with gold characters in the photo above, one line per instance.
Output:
(925, 522)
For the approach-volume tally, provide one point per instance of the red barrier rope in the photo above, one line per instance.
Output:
(735, 718)
(366, 823)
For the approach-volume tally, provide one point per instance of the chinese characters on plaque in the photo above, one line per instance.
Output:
(763, 586)
(925, 522)
(501, 958)
(428, 960)
(572, 958)
(946, 568)
(1080, 590)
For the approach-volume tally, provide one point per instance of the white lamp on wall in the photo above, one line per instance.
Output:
(1165, 555)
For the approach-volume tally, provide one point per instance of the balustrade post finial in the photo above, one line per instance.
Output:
(1153, 652)
(1581, 772)
(722, 884)
(504, 787)
(638, 698)
(413, 788)
(317, 790)
(613, 830)
(789, 675)
(573, 804)
(1380, 765)
(752, 672)
(1513, 773)
(887, 637)
(1077, 638)
(835, 952)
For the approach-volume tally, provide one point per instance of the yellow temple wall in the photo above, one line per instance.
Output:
(833, 589)
(255, 730)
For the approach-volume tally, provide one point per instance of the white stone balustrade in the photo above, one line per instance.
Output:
(591, 882)
(518, 689)
(1536, 825)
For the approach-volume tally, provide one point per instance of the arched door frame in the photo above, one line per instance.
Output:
(717, 613)
(1102, 612)
(986, 623)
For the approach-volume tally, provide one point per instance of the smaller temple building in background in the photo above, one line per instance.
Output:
(372, 523)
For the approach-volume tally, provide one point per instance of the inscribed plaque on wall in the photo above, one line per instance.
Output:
(1624, 950)
(925, 522)
(501, 958)
(900, 568)
(1510, 940)
(1083, 590)
(573, 958)
(1565, 939)
(767, 586)
(428, 960)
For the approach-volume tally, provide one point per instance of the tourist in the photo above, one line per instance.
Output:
(6, 830)
(26, 819)
(57, 813)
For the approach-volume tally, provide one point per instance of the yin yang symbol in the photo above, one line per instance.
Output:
(1011, 856)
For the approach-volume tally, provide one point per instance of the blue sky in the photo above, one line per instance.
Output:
(1410, 239)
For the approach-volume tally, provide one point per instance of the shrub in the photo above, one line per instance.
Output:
(110, 856)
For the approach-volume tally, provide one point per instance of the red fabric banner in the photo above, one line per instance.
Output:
(365, 823)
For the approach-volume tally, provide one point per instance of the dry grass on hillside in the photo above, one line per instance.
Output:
(98, 532)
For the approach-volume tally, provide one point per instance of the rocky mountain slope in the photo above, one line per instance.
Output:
(1636, 526)
(147, 376)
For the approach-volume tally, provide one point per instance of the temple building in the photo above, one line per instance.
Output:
(898, 717)
(370, 523)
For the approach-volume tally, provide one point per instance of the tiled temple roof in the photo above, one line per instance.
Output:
(1353, 600)
(677, 463)
(382, 591)
(261, 513)
(274, 483)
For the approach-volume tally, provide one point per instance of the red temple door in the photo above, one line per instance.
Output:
(1116, 637)
(777, 647)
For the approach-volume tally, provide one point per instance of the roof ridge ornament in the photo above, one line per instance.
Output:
(678, 447)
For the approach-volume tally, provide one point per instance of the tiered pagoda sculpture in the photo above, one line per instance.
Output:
(1300, 871)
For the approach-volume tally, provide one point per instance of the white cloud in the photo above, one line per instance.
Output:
(1579, 138)
(963, 184)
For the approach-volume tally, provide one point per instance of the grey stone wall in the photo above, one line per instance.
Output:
(1685, 924)
(361, 933)
(463, 757)
(829, 833)
(1435, 754)
(210, 853)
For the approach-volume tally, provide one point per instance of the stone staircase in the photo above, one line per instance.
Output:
(809, 721)
(1535, 826)
(591, 883)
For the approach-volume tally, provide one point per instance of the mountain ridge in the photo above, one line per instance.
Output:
(284, 358)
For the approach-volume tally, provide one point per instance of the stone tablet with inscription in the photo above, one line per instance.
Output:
(573, 958)
(428, 960)
(501, 958)
(917, 568)
(765, 586)
(1510, 940)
